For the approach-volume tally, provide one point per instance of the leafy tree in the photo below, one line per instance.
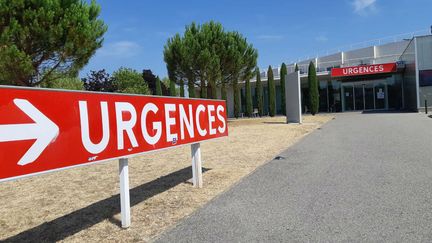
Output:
(271, 91)
(72, 83)
(158, 87)
(41, 38)
(296, 68)
(130, 81)
(249, 106)
(259, 93)
(313, 89)
(151, 81)
(99, 81)
(283, 73)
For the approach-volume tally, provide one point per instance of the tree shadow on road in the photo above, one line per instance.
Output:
(70, 224)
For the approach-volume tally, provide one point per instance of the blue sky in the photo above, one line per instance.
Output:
(282, 31)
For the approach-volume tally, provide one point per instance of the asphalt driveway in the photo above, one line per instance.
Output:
(361, 177)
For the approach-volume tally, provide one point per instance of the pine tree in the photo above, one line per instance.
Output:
(271, 91)
(259, 93)
(282, 76)
(313, 89)
(248, 99)
(208, 55)
(158, 87)
(43, 41)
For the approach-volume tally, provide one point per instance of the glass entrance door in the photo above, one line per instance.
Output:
(369, 96)
(348, 97)
(380, 96)
(358, 97)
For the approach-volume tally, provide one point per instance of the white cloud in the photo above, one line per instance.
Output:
(364, 7)
(321, 38)
(120, 49)
(270, 37)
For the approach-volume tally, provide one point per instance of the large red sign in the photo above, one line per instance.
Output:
(364, 70)
(43, 130)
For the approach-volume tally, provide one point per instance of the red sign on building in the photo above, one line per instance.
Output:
(364, 70)
(44, 130)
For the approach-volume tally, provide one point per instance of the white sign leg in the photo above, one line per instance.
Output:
(196, 165)
(124, 193)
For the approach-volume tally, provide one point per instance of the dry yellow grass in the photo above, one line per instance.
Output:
(82, 204)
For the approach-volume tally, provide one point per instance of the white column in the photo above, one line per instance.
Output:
(196, 165)
(124, 193)
(293, 98)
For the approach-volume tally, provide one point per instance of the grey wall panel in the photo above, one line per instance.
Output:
(304, 65)
(359, 56)
(424, 52)
(330, 61)
(293, 98)
(391, 49)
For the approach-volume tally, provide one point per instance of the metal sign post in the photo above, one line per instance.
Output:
(196, 165)
(124, 192)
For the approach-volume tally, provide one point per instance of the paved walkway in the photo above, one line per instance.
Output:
(362, 177)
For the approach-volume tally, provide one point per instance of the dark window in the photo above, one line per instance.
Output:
(425, 78)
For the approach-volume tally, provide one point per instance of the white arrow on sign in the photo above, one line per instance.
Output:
(43, 130)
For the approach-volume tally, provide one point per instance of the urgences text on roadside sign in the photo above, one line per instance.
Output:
(44, 130)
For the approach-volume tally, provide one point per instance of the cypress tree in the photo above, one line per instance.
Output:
(259, 93)
(313, 89)
(296, 68)
(209, 91)
(223, 91)
(214, 91)
(182, 94)
(172, 88)
(271, 91)
(237, 105)
(282, 76)
(224, 94)
(191, 87)
(158, 87)
(203, 91)
(248, 98)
